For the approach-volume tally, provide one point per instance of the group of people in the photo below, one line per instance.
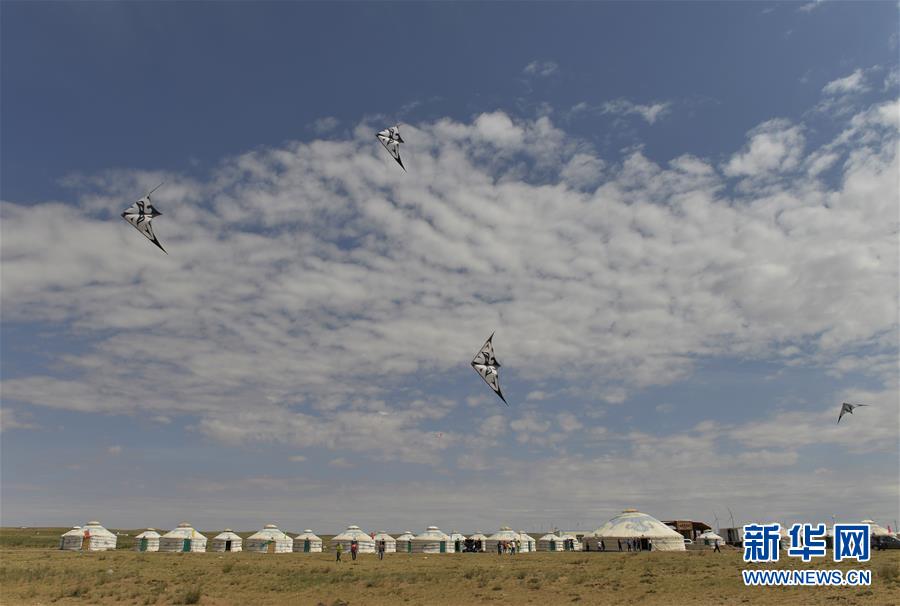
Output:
(509, 547)
(354, 549)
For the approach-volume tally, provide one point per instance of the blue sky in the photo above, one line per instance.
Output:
(679, 218)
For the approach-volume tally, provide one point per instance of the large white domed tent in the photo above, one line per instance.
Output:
(527, 544)
(430, 541)
(183, 538)
(404, 542)
(709, 539)
(227, 541)
(457, 542)
(147, 540)
(876, 530)
(390, 543)
(550, 542)
(90, 537)
(632, 524)
(269, 540)
(307, 542)
(364, 542)
(570, 542)
(504, 536)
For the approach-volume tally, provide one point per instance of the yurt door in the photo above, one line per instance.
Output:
(443, 546)
(409, 547)
(306, 546)
(227, 545)
(270, 547)
(144, 544)
(458, 549)
(552, 545)
(186, 545)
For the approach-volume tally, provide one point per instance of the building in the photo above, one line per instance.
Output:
(457, 542)
(390, 543)
(476, 542)
(550, 542)
(307, 542)
(404, 542)
(227, 541)
(147, 541)
(505, 537)
(632, 526)
(182, 539)
(353, 534)
(430, 541)
(689, 529)
(527, 544)
(90, 537)
(269, 540)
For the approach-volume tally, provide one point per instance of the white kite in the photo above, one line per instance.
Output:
(486, 365)
(391, 139)
(848, 408)
(140, 214)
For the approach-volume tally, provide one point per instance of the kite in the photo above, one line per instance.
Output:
(140, 214)
(391, 139)
(845, 408)
(486, 365)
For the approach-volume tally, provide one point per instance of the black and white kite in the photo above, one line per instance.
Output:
(140, 214)
(486, 365)
(848, 408)
(391, 139)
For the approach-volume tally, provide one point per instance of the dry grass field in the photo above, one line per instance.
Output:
(43, 575)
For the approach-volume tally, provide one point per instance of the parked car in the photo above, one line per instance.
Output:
(887, 543)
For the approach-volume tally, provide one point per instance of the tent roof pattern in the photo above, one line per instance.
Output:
(526, 537)
(150, 533)
(550, 537)
(227, 535)
(504, 534)
(383, 536)
(876, 529)
(269, 533)
(95, 529)
(308, 535)
(432, 533)
(183, 531)
(634, 524)
(478, 536)
(353, 533)
(406, 536)
(709, 535)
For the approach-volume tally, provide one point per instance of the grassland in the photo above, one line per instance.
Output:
(39, 574)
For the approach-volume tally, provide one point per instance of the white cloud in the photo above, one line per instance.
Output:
(808, 7)
(775, 146)
(296, 459)
(664, 408)
(325, 125)
(568, 422)
(541, 68)
(649, 112)
(10, 419)
(612, 286)
(114, 450)
(854, 83)
(341, 463)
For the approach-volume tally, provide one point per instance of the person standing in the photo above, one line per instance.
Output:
(602, 545)
(716, 548)
(380, 550)
(354, 547)
(338, 551)
(499, 548)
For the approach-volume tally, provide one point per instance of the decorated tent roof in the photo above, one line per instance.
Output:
(550, 537)
(633, 523)
(406, 536)
(183, 531)
(383, 536)
(353, 533)
(150, 533)
(504, 534)
(432, 533)
(227, 535)
(876, 529)
(269, 533)
(308, 535)
(95, 529)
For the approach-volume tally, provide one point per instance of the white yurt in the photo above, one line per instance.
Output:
(550, 542)
(527, 544)
(147, 540)
(457, 543)
(875, 529)
(269, 540)
(307, 542)
(709, 539)
(505, 535)
(364, 542)
(390, 543)
(478, 541)
(182, 539)
(570, 542)
(404, 542)
(632, 524)
(227, 541)
(90, 537)
(430, 541)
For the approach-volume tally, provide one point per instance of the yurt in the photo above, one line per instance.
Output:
(504, 536)
(876, 530)
(307, 542)
(709, 539)
(527, 544)
(404, 542)
(269, 540)
(550, 542)
(570, 542)
(182, 539)
(457, 543)
(147, 540)
(430, 541)
(90, 537)
(632, 524)
(227, 541)
(365, 543)
(390, 543)
(477, 541)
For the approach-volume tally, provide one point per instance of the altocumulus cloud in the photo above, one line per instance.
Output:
(286, 260)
